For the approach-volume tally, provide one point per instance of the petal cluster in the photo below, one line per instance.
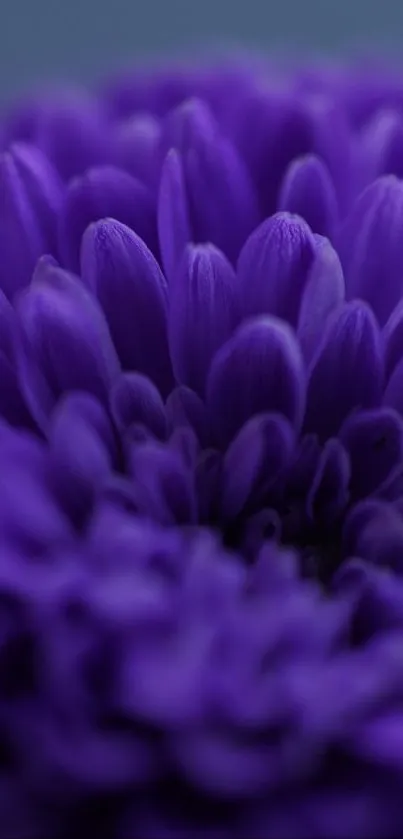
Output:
(201, 456)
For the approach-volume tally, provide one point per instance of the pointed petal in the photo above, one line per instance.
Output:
(203, 313)
(374, 442)
(43, 188)
(347, 372)
(273, 267)
(324, 292)
(64, 342)
(132, 291)
(222, 200)
(173, 214)
(258, 370)
(135, 399)
(371, 247)
(308, 191)
(105, 192)
(254, 461)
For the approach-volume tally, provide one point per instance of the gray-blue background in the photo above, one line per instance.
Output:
(78, 37)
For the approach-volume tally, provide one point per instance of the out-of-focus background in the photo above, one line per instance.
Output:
(79, 38)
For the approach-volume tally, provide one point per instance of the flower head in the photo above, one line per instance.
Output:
(201, 457)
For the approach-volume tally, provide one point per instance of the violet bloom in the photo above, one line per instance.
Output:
(201, 457)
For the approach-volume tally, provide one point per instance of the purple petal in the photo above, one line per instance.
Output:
(347, 372)
(21, 236)
(273, 267)
(382, 145)
(173, 214)
(43, 189)
(329, 492)
(258, 370)
(184, 124)
(374, 442)
(222, 201)
(64, 341)
(203, 313)
(135, 399)
(308, 191)
(132, 291)
(324, 292)
(106, 192)
(371, 247)
(254, 460)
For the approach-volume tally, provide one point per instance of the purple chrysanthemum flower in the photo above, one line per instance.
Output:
(201, 457)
